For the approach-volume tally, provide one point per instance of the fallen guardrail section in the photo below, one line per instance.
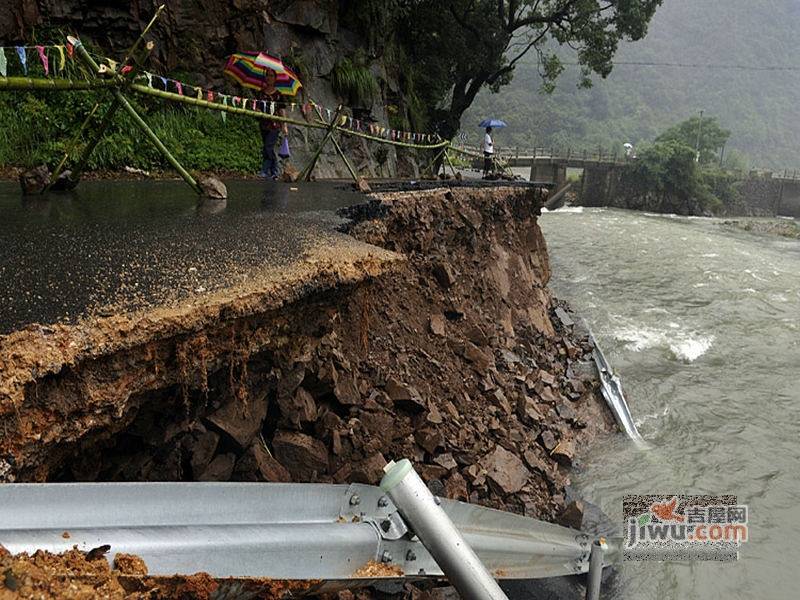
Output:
(319, 537)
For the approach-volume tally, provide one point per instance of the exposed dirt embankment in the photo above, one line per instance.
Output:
(449, 357)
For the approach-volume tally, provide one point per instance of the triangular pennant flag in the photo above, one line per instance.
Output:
(272, 108)
(3, 64)
(61, 58)
(199, 93)
(210, 96)
(44, 59)
(179, 87)
(164, 82)
(149, 79)
(23, 58)
(112, 64)
(70, 50)
(223, 113)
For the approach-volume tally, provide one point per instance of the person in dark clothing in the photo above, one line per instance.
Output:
(488, 153)
(271, 130)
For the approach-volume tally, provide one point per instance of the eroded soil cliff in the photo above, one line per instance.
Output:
(437, 343)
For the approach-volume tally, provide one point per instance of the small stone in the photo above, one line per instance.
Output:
(437, 325)
(241, 420)
(303, 456)
(203, 446)
(566, 412)
(346, 391)
(404, 396)
(446, 460)
(505, 470)
(480, 359)
(434, 416)
(212, 187)
(455, 487)
(572, 516)
(564, 452)
(428, 438)
(369, 470)
(257, 464)
(444, 275)
(548, 439)
(564, 317)
(219, 469)
(499, 399)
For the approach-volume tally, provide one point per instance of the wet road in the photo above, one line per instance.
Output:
(113, 246)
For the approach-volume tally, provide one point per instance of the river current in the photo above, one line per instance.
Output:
(703, 325)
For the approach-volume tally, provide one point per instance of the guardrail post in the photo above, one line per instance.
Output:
(595, 575)
(438, 534)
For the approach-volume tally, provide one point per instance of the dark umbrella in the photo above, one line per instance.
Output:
(493, 123)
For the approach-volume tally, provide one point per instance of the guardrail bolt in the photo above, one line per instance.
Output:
(383, 502)
(410, 556)
(386, 557)
(355, 500)
(386, 525)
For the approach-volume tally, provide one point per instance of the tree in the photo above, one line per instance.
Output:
(704, 133)
(459, 46)
(665, 178)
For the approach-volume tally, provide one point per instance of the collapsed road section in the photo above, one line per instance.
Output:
(428, 333)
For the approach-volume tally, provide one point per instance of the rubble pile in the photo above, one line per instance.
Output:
(456, 359)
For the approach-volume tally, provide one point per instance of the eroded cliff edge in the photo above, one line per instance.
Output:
(432, 337)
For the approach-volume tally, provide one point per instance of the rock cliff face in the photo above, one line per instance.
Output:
(196, 36)
(449, 356)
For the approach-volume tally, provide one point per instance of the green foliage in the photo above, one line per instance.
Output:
(352, 81)
(37, 129)
(703, 134)
(461, 46)
(668, 177)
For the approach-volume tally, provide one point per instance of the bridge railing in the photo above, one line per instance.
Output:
(554, 153)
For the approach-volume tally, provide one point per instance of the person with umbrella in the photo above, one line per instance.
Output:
(271, 130)
(273, 80)
(488, 145)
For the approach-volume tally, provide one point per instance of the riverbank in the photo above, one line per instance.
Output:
(434, 337)
(779, 227)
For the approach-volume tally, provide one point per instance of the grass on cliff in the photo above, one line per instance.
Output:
(38, 127)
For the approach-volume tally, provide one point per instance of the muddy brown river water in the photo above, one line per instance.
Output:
(703, 324)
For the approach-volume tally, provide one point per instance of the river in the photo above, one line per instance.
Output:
(701, 323)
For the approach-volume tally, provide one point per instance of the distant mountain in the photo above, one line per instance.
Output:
(636, 103)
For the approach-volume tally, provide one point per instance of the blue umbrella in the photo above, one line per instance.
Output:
(493, 123)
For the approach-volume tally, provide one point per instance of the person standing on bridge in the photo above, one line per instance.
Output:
(271, 130)
(488, 153)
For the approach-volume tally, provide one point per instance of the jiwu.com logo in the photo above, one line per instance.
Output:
(678, 527)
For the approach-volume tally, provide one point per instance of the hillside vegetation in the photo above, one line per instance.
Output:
(637, 103)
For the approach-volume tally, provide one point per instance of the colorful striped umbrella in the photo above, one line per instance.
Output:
(247, 69)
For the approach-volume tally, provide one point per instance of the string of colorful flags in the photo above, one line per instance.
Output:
(54, 60)
(23, 55)
(181, 88)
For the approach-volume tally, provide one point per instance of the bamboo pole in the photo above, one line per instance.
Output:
(123, 102)
(140, 39)
(70, 147)
(22, 84)
(306, 172)
(80, 164)
(157, 142)
(336, 145)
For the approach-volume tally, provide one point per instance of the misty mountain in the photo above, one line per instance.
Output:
(637, 102)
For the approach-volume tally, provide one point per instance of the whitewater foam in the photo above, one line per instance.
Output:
(685, 346)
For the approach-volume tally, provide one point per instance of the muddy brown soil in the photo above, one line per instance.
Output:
(436, 339)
